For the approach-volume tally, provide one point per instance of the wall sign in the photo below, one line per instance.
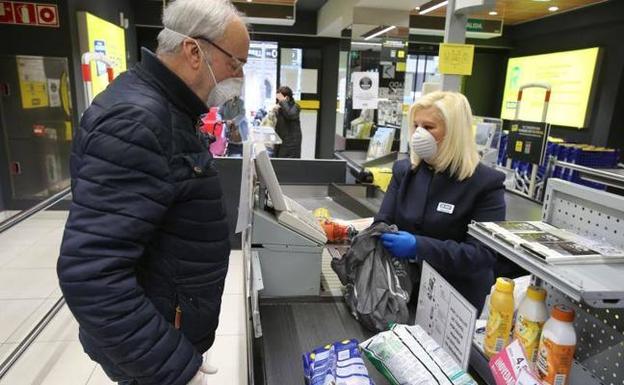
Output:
(31, 14)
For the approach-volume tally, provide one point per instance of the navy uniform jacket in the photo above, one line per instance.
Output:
(437, 208)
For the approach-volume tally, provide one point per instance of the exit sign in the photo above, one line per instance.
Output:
(29, 14)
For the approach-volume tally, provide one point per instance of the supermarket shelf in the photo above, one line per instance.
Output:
(478, 361)
(598, 285)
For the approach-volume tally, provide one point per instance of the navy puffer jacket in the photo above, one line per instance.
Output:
(147, 231)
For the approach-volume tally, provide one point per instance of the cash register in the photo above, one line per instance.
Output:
(288, 239)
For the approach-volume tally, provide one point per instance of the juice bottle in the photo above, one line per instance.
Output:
(500, 317)
(556, 348)
(532, 314)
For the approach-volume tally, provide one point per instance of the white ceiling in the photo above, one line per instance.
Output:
(405, 5)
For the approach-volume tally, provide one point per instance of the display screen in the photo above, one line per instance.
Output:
(569, 73)
(98, 35)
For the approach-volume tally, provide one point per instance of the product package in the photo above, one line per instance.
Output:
(507, 365)
(407, 355)
(339, 363)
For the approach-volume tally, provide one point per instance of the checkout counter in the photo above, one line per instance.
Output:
(300, 311)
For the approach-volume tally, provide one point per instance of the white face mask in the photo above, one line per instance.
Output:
(222, 91)
(424, 144)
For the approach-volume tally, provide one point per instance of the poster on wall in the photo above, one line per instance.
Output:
(99, 35)
(32, 82)
(365, 90)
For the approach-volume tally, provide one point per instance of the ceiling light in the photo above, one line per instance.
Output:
(553, 9)
(366, 43)
(433, 8)
(493, 13)
(390, 28)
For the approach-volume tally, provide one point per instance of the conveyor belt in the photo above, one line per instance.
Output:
(294, 326)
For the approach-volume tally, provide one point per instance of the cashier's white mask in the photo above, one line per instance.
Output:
(423, 144)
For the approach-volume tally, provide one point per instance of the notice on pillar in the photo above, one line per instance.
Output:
(32, 82)
(456, 59)
(365, 90)
(446, 315)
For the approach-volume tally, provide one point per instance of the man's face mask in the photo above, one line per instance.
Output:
(222, 91)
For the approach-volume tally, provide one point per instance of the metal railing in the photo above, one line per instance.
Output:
(25, 343)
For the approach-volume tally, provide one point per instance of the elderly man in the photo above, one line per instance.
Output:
(146, 246)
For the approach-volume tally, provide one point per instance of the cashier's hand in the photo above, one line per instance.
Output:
(401, 245)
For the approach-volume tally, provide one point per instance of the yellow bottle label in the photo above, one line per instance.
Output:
(497, 331)
(528, 333)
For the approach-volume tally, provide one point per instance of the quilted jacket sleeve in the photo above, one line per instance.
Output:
(120, 193)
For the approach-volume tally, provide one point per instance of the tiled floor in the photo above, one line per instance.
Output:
(29, 287)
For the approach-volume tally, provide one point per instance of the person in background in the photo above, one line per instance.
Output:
(233, 113)
(146, 246)
(288, 125)
(437, 192)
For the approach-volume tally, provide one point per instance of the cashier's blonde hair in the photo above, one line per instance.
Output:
(457, 152)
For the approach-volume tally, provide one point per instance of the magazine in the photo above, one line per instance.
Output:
(553, 245)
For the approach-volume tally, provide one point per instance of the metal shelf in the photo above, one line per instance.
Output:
(478, 361)
(598, 285)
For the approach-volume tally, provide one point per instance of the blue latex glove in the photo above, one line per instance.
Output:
(401, 245)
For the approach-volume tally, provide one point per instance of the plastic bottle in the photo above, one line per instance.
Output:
(500, 317)
(532, 314)
(556, 348)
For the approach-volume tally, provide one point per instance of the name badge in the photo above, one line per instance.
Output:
(446, 208)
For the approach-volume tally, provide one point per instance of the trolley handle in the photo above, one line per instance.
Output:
(546, 86)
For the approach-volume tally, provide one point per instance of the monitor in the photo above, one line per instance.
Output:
(267, 176)
(571, 75)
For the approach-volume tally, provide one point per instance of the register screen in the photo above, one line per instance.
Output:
(569, 73)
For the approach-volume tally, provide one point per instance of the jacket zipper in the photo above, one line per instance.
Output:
(177, 322)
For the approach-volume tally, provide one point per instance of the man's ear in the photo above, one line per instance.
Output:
(192, 53)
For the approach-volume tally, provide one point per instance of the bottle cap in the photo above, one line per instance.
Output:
(563, 313)
(504, 285)
(536, 293)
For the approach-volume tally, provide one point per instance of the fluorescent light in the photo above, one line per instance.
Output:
(433, 8)
(390, 28)
(366, 43)
(493, 13)
(553, 9)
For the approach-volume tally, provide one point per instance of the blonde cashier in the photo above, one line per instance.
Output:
(438, 191)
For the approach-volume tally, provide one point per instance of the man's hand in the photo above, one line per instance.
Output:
(402, 245)
(201, 378)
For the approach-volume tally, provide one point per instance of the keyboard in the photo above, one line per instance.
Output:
(301, 220)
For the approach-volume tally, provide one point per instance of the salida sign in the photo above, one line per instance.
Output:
(32, 14)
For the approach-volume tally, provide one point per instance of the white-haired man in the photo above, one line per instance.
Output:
(146, 246)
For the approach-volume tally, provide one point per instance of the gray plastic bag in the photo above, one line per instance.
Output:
(377, 286)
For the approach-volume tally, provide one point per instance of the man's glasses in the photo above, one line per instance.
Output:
(238, 62)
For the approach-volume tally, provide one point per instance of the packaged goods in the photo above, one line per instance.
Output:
(407, 355)
(557, 346)
(530, 320)
(339, 363)
(500, 319)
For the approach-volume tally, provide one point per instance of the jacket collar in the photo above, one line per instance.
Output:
(170, 84)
